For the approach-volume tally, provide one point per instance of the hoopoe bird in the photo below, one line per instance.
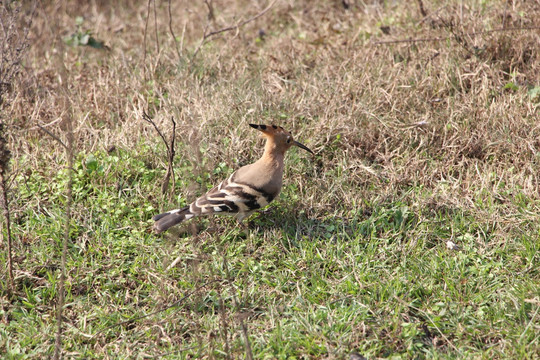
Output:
(248, 189)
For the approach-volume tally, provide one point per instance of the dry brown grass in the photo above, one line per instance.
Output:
(428, 123)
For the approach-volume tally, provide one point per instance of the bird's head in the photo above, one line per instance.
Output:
(280, 137)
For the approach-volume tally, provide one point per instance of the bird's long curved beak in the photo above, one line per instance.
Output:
(302, 146)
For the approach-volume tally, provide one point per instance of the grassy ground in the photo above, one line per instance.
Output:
(417, 144)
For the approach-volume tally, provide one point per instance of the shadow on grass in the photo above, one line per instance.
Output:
(391, 221)
(297, 226)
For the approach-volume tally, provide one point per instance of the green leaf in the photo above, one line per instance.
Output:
(91, 163)
(511, 86)
(534, 93)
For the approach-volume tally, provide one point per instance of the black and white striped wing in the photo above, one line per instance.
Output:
(231, 198)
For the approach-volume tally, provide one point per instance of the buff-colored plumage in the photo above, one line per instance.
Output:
(248, 189)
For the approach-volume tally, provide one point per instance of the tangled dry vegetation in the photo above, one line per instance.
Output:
(446, 122)
(440, 115)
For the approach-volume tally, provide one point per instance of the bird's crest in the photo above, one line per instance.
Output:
(269, 130)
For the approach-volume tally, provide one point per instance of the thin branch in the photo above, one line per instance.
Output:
(172, 33)
(504, 14)
(146, 30)
(234, 27)
(206, 35)
(176, 303)
(147, 118)
(224, 328)
(53, 136)
(442, 38)
(458, 36)
(5, 208)
(405, 304)
(170, 152)
(5, 157)
(249, 352)
(428, 16)
(156, 28)
(170, 170)
(61, 285)
(422, 9)
(69, 149)
(210, 7)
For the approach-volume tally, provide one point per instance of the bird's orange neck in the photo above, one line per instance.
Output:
(273, 154)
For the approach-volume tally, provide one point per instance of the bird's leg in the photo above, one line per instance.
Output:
(244, 226)
(265, 214)
(260, 213)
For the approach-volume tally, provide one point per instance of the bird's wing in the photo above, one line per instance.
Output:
(231, 197)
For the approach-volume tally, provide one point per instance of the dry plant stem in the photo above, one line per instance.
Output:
(155, 29)
(210, 9)
(249, 353)
(206, 35)
(170, 152)
(53, 136)
(158, 311)
(178, 51)
(421, 7)
(432, 323)
(504, 14)
(145, 32)
(428, 16)
(223, 319)
(5, 207)
(458, 36)
(170, 168)
(5, 156)
(14, 45)
(17, 44)
(224, 328)
(61, 295)
(442, 38)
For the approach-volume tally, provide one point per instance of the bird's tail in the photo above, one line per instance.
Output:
(166, 220)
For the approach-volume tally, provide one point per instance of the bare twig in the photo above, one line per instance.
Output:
(428, 16)
(210, 7)
(176, 303)
(422, 9)
(156, 28)
(457, 35)
(442, 38)
(405, 304)
(69, 147)
(224, 329)
(148, 119)
(170, 152)
(207, 35)
(504, 14)
(249, 353)
(5, 156)
(53, 136)
(172, 33)
(170, 168)
(14, 40)
(61, 285)
(146, 31)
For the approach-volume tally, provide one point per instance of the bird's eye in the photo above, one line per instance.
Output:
(288, 140)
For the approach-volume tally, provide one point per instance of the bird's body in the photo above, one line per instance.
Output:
(246, 190)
